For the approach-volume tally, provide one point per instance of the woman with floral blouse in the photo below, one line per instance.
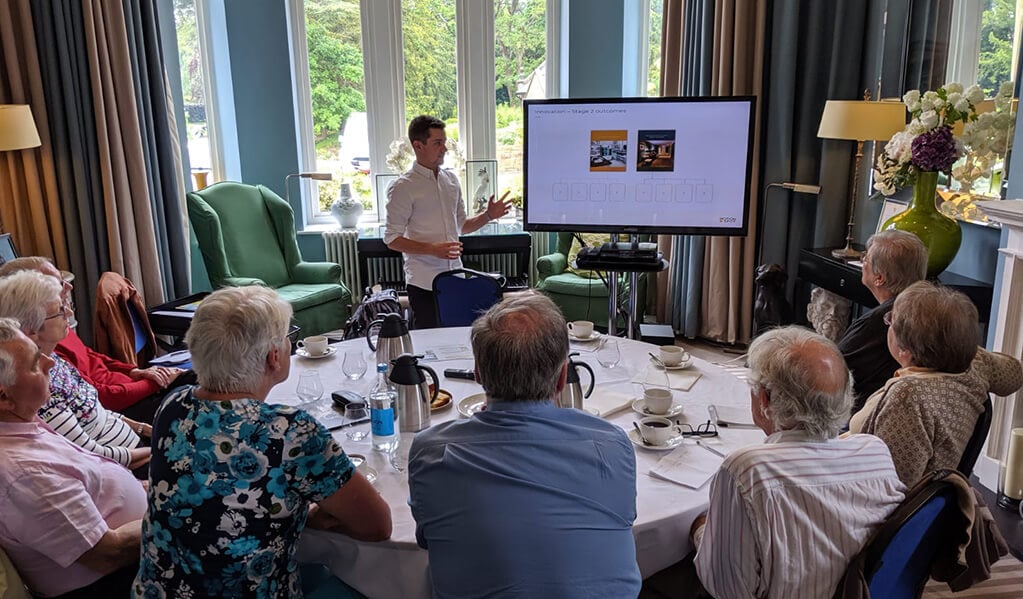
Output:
(233, 480)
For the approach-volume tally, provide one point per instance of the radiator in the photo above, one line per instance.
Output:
(388, 271)
(541, 247)
(494, 263)
(340, 247)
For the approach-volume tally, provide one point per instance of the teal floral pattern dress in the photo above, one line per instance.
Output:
(229, 490)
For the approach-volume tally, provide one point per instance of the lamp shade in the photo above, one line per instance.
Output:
(17, 129)
(862, 120)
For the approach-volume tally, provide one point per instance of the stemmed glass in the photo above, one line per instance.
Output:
(608, 354)
(355, 412)
(354, 365)
(309, 388)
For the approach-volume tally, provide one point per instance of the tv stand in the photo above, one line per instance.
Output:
(617, 257)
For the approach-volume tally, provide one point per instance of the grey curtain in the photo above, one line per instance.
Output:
(817, 51)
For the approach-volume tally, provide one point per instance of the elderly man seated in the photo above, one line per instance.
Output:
(525, 499)
(786, 517)
(71, 519)
(134, 392)
(894, 261)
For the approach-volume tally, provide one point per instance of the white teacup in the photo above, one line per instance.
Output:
(657, 430)
(581, 328)
(657, 400)
(673, 355)
(315, 345)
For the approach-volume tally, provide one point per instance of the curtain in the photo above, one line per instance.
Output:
(717, 49)
(29, 196)
(112, 135)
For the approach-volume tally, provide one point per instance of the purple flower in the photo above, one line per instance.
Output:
(935, 150)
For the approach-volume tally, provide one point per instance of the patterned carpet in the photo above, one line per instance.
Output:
(1006, 583)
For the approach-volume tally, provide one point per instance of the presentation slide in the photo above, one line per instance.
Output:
(660, 164)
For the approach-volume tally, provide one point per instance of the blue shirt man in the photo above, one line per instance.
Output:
(526, 499)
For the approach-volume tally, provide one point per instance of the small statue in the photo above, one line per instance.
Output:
(482, 193)
(771, 308)
(828, 313)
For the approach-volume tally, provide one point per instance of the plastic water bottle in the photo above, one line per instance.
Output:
(381, 412)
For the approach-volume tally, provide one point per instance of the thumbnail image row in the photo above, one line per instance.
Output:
(616, 192)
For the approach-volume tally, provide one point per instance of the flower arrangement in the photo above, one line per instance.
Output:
(987, 139)
(927, 142)
(401, 155)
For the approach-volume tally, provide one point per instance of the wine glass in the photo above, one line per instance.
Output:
(309, 388)
(356, 412)
(354, 365)
(607, 354)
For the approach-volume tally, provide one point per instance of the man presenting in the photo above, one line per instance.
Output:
(425, 216)
(786, 517)
(525, 499)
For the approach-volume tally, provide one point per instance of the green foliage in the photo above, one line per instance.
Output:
(520, 44)
(188, 52)
(335, 63)
(428, 31)
(654, 62)
(995, 60)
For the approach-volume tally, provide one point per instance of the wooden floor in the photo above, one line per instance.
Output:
(1006, 582)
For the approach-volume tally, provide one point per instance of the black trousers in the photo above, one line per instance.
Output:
(116, 584)
(424, 307)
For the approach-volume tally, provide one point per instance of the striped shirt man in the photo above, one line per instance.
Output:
(786, 517)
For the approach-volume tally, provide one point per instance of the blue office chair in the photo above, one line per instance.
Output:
(898, 558)
(463, 294)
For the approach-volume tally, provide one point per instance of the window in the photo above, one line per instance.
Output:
(654, 43)
(195, 91)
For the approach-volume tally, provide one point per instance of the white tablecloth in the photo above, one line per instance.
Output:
(399, 568)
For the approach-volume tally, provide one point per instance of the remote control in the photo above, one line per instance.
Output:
(460, 373)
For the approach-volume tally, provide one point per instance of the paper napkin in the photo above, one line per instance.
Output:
(689, 465)
(607, 403)
(683, 380)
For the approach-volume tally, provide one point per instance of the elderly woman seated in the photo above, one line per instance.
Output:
(73, 409)
(928, 410)
(71, 519)
(232, 478)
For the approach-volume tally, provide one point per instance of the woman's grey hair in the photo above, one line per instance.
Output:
(937, 326)
(520, 346)
(9, 330)
(900, 256)
(23, 297)
(806, 379)
(232, 332)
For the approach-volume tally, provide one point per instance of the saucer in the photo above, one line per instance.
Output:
(442, 402)
(680, 366)
(302, 353)
(472, 404)
(638, 406)
(638, 442)
(593, 337)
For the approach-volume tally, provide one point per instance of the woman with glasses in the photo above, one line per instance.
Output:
(73, 409)
(926, 413)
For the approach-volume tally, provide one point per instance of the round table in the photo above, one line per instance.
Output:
(399, 568)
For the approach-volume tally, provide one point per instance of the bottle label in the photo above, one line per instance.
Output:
(382, 422)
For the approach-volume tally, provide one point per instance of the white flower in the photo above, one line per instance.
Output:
(912, 100)
(953, 88)
(929, 119)
(975, 95)
(962, 104)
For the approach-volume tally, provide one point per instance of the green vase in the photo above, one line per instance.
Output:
(939, 233)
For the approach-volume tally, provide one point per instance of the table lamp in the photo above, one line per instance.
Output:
(859, 121)
(314, 176)
(17, 129)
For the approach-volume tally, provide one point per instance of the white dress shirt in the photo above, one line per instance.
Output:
(786, 517)
(427, 208)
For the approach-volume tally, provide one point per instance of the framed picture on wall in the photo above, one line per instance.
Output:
(889, 209)
(7, 249)
(480, 184)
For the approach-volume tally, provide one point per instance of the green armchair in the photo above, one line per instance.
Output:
(579, 297)
(247, 237)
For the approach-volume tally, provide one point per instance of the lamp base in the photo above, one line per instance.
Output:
(847, 253)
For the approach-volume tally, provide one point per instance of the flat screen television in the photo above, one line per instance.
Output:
(638, 165)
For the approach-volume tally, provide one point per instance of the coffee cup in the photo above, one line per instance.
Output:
(657, 430)
(315, 345)
(581, 328)
(672, 355)
(657, 400)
